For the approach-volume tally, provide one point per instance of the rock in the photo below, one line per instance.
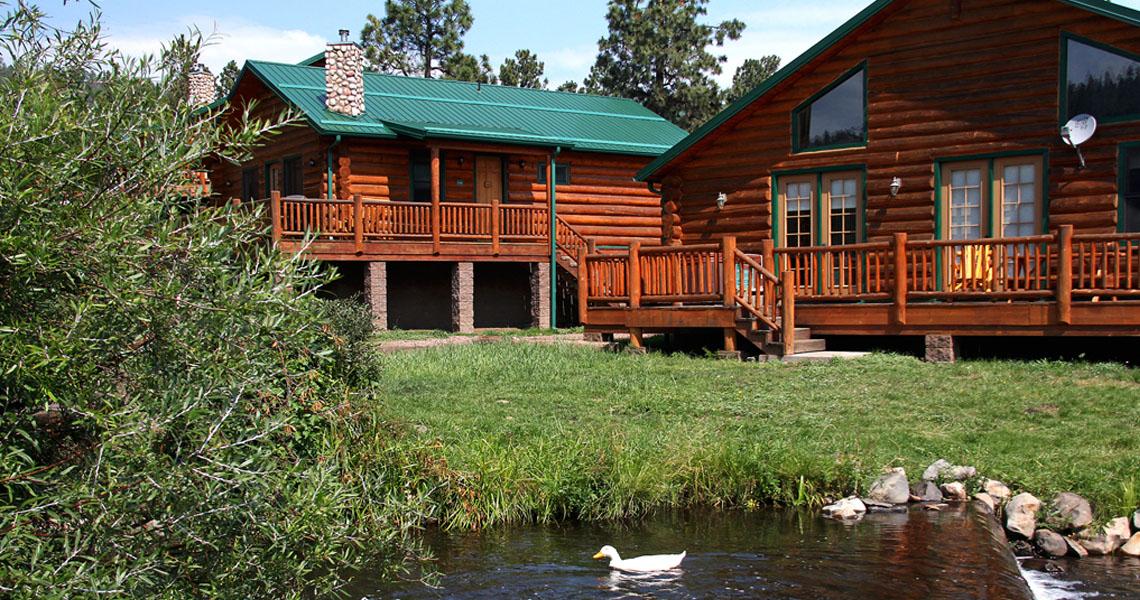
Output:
(986, 500)
(1136, 521)
(870, 503)
(1050, 542)
(1076, 548)
(926, 491)
(1132, 546)
(1107, 539)
(891, 488)
(953, 490)
(1021, 515)
(847, 508)
(941, 469)
(936, 507)
(1022, 548)
(935, 470)
(1069, 512)
(997, 489)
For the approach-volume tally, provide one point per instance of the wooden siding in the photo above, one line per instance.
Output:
(939, 87)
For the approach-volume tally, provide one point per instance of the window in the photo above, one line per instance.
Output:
(1129, 219)
(1099, 80)
(293, 184)
(272, 178)
(561, 173)
(837, 196)
(836, 117)
(421, 176)
(249, 184)
(1008, 205)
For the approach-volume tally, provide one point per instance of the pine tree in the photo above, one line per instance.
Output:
(468, 67)
(570, 86)
(524, 70)
(750, 74)
(656, 54)
(416, 37)
(227, 78)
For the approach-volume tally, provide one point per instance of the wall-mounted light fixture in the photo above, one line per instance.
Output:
(522, 164)
(312, 162)
(721, 200)
(460, 161)
(896, 184)
(229, 183)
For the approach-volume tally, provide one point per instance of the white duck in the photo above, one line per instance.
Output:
(641, 564)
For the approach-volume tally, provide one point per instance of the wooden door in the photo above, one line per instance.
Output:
(488, 179)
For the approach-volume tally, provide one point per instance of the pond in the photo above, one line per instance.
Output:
(795, 554)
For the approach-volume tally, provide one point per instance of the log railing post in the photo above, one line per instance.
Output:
(358, 222)
(583, 285)
(768, 255)
(900, 281)
(495, 225)
(1065, 275)
(275, 214)
(435, 208)
(592, 246)
(728, 248)
(788, 312)
(634, 272)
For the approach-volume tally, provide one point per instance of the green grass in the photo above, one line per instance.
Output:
(549, 432)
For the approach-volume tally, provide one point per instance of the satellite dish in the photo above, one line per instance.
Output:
(1077, 131)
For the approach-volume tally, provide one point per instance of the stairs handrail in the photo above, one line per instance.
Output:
(766, 298)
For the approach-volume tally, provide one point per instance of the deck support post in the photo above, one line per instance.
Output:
(728, 249)
(540, 304)
(275, 214)
(729, 340)
(942, 349)
(634, 274)
(788, 312)
(636, 341)
(901, 284)
(1065, 275)
(583, 285)
(495, 226)
(435, 216)
(358, 222)
(376, 292)
(463, 297)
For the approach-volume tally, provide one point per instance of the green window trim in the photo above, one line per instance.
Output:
(817, 207)
(561, 173)
(1063, 77)
(806, 104)
(989, 158)
(1122, 183)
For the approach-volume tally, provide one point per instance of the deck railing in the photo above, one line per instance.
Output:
(358, 220)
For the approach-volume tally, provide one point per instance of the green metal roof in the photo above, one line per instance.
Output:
(1101, 7)
(420, 108)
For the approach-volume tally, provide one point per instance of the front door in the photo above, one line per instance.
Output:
(488, 179)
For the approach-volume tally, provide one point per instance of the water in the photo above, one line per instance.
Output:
(787, 554)
(1092, 577)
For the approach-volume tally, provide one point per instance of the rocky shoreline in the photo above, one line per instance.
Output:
(1065, 526)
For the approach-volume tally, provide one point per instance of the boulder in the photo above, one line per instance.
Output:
(891, 488)
(953, 491)
(1107, 539)
(986, 500)
(847, 508)
(1136, 521)
(1021, 515)
(934, 471)
(1076, 548)
(960, 473)
(997, 489)
(1050, 543)
(1132, 546)
(940, 469)
(1069, 512)
(926, 491)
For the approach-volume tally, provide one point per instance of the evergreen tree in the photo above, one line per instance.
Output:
(177, 60)
(570, 86)
(656, 54)
(227, 78)
(416, 37)
(750, 74)
(524, 70)
(468, 67)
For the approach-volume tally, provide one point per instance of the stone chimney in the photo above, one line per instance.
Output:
(201, 88)
(344, 77)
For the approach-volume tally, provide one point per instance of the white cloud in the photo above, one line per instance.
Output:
(564, 64)
(236, 39)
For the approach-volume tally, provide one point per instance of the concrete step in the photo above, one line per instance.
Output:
(767, 336)
(802, 346)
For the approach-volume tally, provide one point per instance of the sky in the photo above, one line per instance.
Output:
(564, 34)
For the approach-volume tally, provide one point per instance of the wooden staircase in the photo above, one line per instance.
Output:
(772, 343)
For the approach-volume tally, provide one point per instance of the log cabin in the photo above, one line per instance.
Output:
(444, 204)
(910, 174)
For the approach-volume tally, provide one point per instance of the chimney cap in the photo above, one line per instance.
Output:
(343, 35)
(199, 68)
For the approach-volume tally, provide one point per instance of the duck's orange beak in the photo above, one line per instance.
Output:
(599, 555)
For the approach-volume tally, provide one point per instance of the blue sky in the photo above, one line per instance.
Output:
(563, 33)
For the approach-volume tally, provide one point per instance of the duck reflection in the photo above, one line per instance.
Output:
(644, 585)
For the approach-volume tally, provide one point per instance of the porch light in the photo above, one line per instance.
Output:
(522, 164)
(896, 183)
(721, 200)
(460, 161)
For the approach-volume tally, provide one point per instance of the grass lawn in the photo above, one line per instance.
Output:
(541, 432)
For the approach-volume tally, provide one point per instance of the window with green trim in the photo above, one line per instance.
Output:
(1130, 189)
(421, 176)
(834, 118)
(1100, 80)
(249, 180)
(561, 173)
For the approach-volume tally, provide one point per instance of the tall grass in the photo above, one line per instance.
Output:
(541, 432)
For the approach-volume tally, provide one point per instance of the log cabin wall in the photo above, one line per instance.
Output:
(945, 79)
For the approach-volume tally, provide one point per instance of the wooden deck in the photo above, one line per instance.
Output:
(1050, 285)
(381, 230)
